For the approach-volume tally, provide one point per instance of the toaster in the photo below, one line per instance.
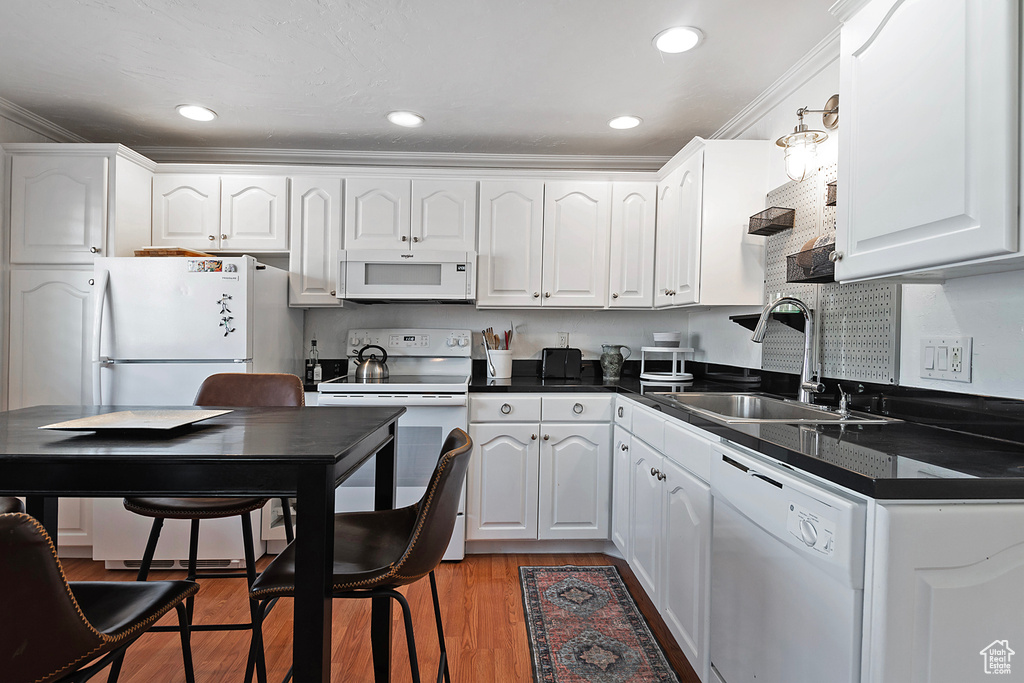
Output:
(561, 363)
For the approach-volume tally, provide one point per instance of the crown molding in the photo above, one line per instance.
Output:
(304, 157)
(809, 66)
(844, 9)
(37, 124)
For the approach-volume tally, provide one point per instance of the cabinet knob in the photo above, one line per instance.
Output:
(505, 409)
(654, 472)
(662, 476)
(536, 295)
(547, 295)
(94, 250)
(547, 436)
(835, 256)
(578, 408)
(615, 295)
(223, 237)
(213, 238)
(620, 411)
(624, 447)
(334, 292)
(404, 238)
(533, 437)
(415, 239)
(91, 281)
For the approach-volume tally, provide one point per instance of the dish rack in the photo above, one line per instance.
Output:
(675, 375)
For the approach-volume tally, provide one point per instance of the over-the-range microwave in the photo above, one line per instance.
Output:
(380, 275)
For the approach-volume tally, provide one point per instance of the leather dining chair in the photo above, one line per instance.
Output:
(377, 552)
(54, 630)
(11, 504)
(228, 390)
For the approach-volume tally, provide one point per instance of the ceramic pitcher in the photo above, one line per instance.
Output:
(611, 360)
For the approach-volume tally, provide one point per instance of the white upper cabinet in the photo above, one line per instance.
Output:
(631, 252)
(704, 254)
(71, 203)
(404, 214)
(577, 219)
(315, 229)
(253, 213)
(928, 141)
(186, 211)
(444, 215)
(511, 243)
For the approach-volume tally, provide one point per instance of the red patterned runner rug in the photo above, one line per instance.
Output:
(584, 627)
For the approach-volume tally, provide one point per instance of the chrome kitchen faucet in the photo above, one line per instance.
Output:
(809, 377)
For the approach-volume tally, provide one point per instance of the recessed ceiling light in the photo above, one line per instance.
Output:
(678, 39)
(196, 113)
(406, 119)
(624, 122)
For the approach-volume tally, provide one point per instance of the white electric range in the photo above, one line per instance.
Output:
(429, 374)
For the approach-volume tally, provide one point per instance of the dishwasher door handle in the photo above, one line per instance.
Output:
(765, 477)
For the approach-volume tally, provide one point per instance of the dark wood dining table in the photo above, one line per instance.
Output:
(268, 452)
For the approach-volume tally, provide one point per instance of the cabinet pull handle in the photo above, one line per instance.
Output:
(415, 239)
(835, 256)
(620, 411)
(404, 238)
(536, 295)
(615, 295)
(578, 408)
(212, 238)
(94, 250)
(546, 437)
(533, 437)
(505, 409)
(547, 295)
(662, 476)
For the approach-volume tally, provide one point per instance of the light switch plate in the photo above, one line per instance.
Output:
(947, 358)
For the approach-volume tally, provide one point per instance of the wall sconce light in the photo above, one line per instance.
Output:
(802, 144)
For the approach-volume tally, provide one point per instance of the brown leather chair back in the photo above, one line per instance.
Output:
(437, 510)
(245, 389)
(10, 504)
(42, 633)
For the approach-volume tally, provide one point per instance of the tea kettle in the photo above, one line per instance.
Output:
(370, 369)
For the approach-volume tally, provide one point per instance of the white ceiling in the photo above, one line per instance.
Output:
(490, 76)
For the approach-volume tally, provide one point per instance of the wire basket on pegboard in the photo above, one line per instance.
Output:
(812, 265)
(771, 221)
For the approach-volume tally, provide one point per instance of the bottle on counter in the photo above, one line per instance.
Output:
(314, 373)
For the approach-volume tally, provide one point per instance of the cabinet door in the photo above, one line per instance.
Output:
(645, 545)
(679, 233)
(50, 334)
(686, 540)
(315, 225)
(944, 190)
(186, 211)
(501, 490)
(74, 522)
(575, 481)
(511, 243)
(577, 220)
(253, 213)
(444, 215)
(631, 255)
(620, 490)
(58, 208)
(377, 213)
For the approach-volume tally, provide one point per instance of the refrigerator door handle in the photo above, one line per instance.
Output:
(100, 297)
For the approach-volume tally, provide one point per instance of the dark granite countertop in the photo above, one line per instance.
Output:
(907, 460)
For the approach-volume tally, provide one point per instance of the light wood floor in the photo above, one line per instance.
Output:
(481, 607)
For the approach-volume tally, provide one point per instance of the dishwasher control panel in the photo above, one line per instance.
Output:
(813, 529)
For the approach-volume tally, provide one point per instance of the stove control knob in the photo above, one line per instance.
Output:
(463, 341)
(451, 341)
(808, 534)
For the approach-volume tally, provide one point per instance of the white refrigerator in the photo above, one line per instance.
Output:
(161, 326)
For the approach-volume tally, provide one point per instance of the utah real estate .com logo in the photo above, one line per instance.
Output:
(997, 657)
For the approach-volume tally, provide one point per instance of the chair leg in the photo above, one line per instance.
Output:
(289, 529)
(115, 669)
(410, 639)
(147, 557)
(443, 665)
(256, 653)
(193, 560)
(186, 644)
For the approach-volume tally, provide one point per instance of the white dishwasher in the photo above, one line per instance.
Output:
(787, 575)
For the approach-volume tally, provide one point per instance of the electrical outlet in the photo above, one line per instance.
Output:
(947, 358)
(563, 340)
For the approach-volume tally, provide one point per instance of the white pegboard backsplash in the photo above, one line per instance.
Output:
(858, 323)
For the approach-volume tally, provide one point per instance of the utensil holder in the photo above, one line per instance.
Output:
(501, 360)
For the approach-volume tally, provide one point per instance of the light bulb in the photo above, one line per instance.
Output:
(800, 157)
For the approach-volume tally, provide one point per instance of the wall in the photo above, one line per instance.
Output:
(534, 330)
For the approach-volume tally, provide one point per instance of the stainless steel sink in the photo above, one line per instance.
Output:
(747, 408)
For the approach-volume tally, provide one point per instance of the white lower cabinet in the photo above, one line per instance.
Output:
(620, 490)
(74, 523)
(534, 479)
(645, 517)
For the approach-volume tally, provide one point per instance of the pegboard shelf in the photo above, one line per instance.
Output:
(770, 221)
(749, 321)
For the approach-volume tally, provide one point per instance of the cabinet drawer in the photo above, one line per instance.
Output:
(650, 427)
(506, 408)
(624, 413)
(590, 408)
(688, 449)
